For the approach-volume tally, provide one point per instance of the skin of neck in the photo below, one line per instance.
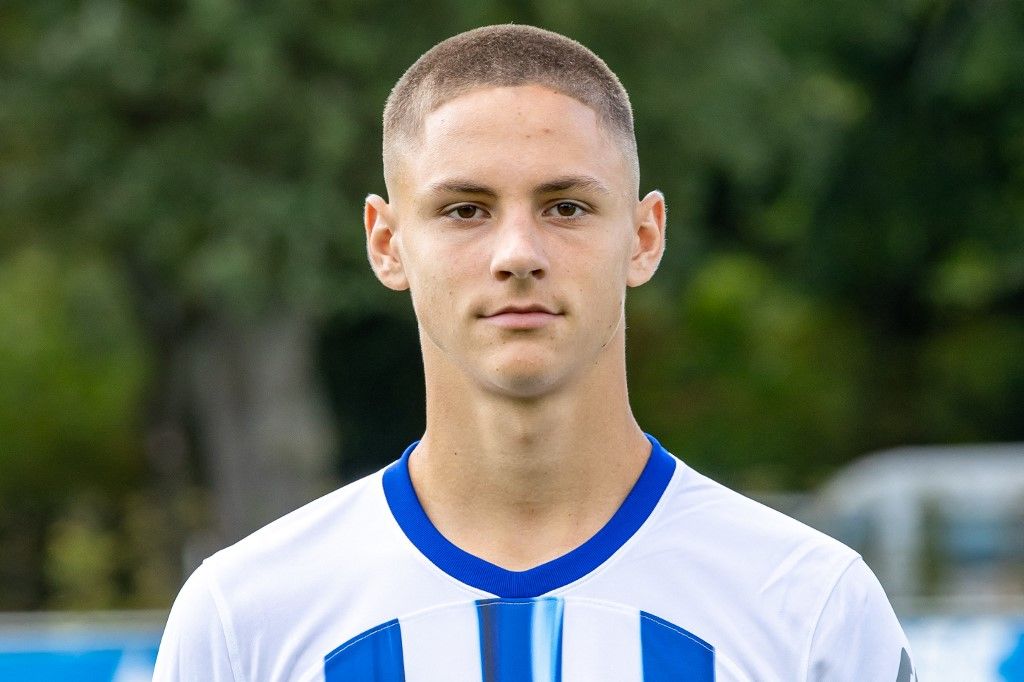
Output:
(521, 481)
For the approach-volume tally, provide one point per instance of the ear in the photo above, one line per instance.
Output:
(648, 239)
(382, 246)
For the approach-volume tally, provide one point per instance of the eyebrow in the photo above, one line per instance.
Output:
(460, 187)
(575, 182)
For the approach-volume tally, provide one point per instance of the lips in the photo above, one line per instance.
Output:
(528, 316)
(522, 309)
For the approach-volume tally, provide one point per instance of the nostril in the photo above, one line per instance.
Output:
(504, 274)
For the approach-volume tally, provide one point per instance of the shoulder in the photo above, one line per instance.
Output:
(770, 572)
(285, 583)
(735, 529)
(857, 635)
(197, 642)
(330, 546)
(350, 516)
(765, 587)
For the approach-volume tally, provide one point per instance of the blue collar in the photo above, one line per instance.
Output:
(483, 575)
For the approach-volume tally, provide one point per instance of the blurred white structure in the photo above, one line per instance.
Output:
(941, 526)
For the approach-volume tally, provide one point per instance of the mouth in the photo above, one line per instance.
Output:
(521, 317)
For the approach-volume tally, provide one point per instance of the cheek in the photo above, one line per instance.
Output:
(430, 290)
(601, 293)
(605, 291)
(437, 286)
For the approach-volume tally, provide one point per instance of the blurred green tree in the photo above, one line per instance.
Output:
(72, 374)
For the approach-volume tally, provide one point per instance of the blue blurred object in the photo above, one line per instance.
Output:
(1012, 668)
(78, 648)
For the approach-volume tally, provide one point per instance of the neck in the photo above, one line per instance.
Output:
(522, 481)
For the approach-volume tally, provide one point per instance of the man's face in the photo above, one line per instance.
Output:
(513, 222)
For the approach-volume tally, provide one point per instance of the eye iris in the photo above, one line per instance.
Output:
(466, 211)
(566, 210)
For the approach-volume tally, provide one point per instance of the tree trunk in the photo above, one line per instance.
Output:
(263, 424)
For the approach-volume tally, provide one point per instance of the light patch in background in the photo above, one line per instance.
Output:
(976, 648)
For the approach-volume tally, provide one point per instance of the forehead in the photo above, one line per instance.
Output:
(528, 130)
(523, 106)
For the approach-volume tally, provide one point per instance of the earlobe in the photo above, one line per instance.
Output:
(382, 246)
(648, 239)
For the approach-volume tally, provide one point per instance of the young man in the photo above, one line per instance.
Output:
(535, 533)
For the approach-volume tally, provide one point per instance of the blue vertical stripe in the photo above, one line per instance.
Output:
(546, 639)
(520, 639)
(671, 654)
(374, 656)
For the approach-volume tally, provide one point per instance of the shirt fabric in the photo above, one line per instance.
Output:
(689, 581)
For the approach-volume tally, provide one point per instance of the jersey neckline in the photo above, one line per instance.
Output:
(483, 575)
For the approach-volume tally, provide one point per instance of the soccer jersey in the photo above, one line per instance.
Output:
(688, 581)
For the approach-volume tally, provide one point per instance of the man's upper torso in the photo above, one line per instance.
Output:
(688, 581)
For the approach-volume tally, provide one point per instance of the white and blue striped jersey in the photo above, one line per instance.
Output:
(688, 581)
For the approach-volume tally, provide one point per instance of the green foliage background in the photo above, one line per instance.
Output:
(845, 267)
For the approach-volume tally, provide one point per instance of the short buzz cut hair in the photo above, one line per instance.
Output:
(505, 55)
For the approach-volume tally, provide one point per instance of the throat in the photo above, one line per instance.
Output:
(491, 540)
(524, 543)
(518, 510)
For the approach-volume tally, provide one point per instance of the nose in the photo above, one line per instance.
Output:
(518, 249)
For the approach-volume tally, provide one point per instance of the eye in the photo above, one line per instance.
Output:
(465, 212)
(567, 209)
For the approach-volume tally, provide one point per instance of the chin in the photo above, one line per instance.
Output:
(522, 390)
(525, 382)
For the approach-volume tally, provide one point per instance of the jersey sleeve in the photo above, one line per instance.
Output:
(857, 636)
(195, 644)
